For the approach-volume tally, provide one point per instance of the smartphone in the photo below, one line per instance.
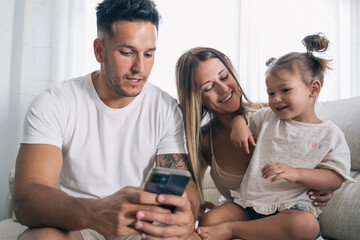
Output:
(167, 181)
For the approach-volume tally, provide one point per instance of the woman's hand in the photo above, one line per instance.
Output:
(320, 198)
(204, 206)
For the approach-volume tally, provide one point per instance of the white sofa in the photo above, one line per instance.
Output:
(339, 220)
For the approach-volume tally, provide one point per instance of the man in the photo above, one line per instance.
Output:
(97, 135)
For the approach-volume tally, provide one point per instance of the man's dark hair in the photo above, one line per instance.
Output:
(110, 11)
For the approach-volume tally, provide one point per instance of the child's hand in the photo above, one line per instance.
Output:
(242, 138)
(281, 170)
(240, 135)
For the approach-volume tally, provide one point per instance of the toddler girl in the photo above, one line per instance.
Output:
(295, 151)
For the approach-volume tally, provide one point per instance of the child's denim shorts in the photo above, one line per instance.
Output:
(253, 215)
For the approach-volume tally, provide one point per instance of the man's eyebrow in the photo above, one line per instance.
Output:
(127, 46)
(210, 80)
(133, 48)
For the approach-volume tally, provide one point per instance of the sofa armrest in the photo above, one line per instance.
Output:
(9, 213)
(340, 218)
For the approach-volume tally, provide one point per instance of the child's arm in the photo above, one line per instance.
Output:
(240, 135)
(317, 179)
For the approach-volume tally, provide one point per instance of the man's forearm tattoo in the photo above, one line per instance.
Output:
(173, 160)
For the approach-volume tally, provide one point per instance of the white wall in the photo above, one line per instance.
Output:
(7, 161)
(163, 74)
(212, 25)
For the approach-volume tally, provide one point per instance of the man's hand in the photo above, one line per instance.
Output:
(115, 215)
(177, 225)
(181, 223)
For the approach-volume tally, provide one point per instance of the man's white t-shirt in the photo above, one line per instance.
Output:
(104, 149)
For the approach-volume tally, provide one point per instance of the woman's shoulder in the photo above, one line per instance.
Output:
(256, 106)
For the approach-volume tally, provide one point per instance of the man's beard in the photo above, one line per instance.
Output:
(116, 87)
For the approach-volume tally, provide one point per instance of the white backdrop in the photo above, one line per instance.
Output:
(48, 41)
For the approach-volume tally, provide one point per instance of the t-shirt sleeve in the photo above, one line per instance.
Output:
(255, 119)
(338, 158)
(173, 139)
(42, 123)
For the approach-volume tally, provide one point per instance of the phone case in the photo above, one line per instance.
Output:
(167, 181)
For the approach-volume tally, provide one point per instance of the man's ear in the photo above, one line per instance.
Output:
(99, 50)
(315, 87)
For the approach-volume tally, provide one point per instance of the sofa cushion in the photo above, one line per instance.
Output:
(10, 230)
(345, 114)
(340, 218)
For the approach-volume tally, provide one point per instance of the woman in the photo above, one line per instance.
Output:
(210, 96)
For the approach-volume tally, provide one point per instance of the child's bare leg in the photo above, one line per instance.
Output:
(221, 231)
(228, 212)
(194, 236)
(224, 213)
(288, 224)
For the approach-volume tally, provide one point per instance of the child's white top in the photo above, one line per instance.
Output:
(296, 144)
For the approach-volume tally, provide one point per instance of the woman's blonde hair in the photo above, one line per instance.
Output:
(191, 104)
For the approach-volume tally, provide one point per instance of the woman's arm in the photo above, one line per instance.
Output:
(205, 153)
(205, 205)
(205, 160)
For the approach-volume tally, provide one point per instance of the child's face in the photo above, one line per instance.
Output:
(289, 97)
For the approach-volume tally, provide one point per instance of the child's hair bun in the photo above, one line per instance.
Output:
(316, 42)
(270, 61)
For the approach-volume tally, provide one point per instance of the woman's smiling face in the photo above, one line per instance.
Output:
(219, 90)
